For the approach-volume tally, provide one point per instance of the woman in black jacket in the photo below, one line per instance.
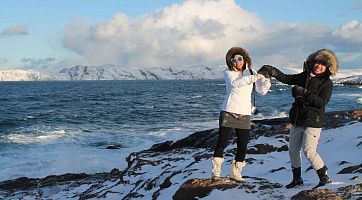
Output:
(312, 91)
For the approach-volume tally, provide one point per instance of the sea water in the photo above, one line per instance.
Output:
(51, 128)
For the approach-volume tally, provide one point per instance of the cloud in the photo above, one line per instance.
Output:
(182, 34)
(42, 64)
(350, 31)
(15, 30)
(200, 33)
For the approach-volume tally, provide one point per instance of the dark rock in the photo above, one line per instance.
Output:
(202, 139)
(343, 162)
(338, 118)
(115, 146)
(275, 170)
(266, 148)
(204, 156)
(355, 178)
(351, 169)
(54, 180)
(359, 144)
(162, 147)
(351, 191)
(357, 114)
(198, 188)
(22, 183)
(317, 194)
(270, 186)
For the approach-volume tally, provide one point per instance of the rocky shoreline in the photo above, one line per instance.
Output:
(176, 169)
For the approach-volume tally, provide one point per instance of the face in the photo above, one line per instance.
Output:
(319, 68)
(238, 62)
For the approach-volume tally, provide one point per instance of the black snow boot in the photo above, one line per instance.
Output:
(297, 179)
(323, 177)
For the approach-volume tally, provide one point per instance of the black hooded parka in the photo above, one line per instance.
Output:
(309, 110)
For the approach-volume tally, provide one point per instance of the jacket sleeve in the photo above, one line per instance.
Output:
(320, 100)
(236, 79)
(292, 79)
(262, 87)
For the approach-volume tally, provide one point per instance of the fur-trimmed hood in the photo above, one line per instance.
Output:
(326, 57)
(237, 51)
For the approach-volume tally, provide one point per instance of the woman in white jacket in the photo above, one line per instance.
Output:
(236, 109)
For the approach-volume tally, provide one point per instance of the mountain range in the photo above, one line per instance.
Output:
(113, 72)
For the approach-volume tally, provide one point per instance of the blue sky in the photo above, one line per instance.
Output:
(48, 35)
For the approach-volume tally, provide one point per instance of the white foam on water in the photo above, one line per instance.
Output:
(196, 97)
(348, 95)
(274, 114)
(27, 139)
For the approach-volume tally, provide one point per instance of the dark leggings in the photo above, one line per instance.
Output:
(242, 139)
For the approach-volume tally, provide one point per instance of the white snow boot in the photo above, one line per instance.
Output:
(216, 167)
(236, 168)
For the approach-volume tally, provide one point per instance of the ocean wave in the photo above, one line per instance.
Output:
(27, 139)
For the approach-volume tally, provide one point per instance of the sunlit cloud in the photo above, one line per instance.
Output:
(350, 31)
(200, 33)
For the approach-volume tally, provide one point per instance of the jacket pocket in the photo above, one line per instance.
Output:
(313, 115)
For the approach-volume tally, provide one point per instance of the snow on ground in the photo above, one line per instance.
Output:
(335, 145)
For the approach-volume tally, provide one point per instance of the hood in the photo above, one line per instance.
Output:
(325, 56)
(240, 51)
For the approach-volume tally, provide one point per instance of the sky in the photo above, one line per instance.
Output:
(47, 36)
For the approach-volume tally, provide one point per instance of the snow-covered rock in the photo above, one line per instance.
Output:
(350, 80)
(22, 75)
(112, 72)
(182, 169)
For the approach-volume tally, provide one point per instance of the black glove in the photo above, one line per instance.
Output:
(298, 91)
(272, 71)
(264, 71)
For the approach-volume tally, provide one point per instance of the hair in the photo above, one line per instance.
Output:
(237, 51)
(325, 57)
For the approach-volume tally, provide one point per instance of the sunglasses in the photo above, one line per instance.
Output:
(234, 60)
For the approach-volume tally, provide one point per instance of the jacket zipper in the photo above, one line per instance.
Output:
(297, 111)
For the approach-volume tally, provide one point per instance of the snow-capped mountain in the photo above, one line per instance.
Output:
(22, 75)
(350, 80)
(112, 72)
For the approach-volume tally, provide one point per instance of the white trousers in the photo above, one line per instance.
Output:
(306, 138)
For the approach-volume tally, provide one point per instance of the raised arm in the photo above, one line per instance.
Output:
(235, 79)
(262, 85)
(268, 70)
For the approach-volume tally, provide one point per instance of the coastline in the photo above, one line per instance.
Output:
(179, 168)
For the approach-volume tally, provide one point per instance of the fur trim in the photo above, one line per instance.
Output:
(234, 51)
(326, 57)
